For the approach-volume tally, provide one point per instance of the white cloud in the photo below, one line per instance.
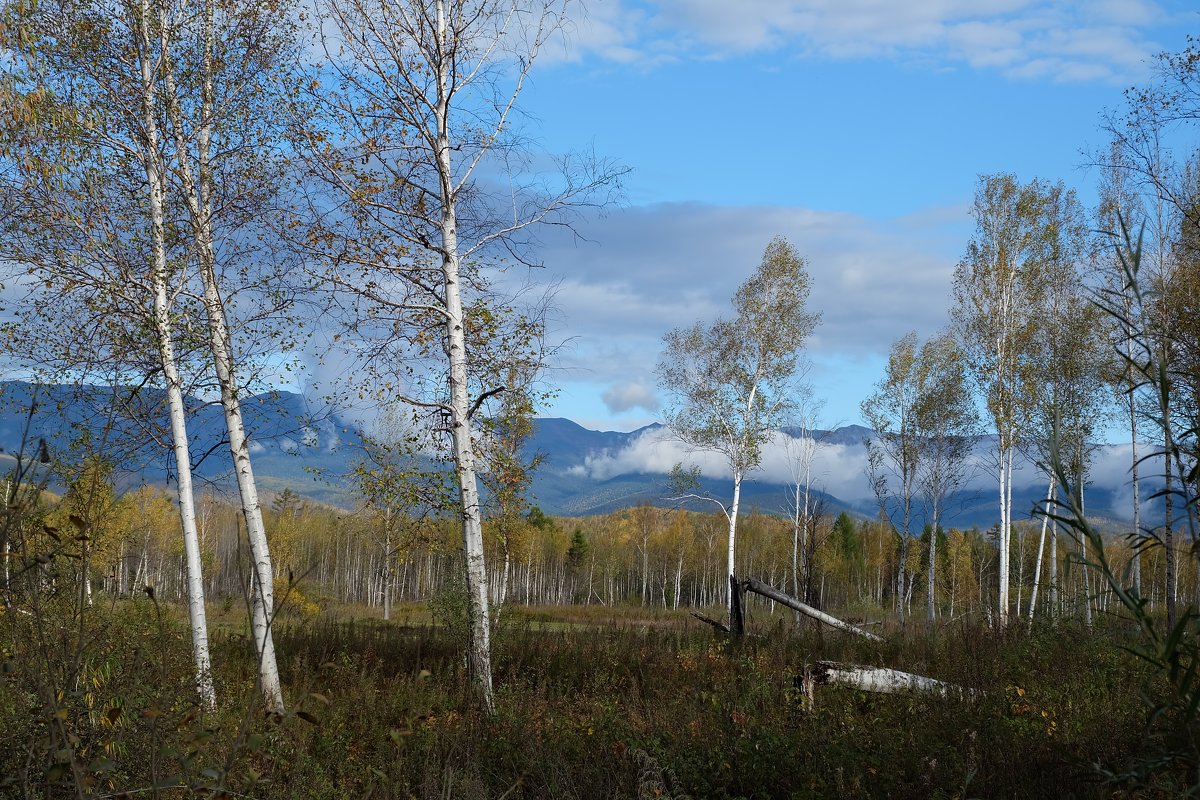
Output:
(653, 451)
(625, 396)
(840, 469)
(614, 31)
(667, 266)
(1065, 41)
(837, 468)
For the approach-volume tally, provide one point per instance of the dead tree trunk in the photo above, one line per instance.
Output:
(758, 587)
(883, 680)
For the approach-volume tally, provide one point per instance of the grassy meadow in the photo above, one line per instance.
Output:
(592, 702)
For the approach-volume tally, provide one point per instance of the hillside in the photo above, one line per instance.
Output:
(311, 450)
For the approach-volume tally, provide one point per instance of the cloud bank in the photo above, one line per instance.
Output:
(840, 469)
(626, 396)
(637, 273)
(1105, 40)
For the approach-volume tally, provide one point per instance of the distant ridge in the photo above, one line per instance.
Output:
(311, 451)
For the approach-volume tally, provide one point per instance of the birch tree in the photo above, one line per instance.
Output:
(894, 449)
(948, 423)
(397, 485)
(996, 289)
(222, 67)
(1155, 116)
(1120, 204)
(923, 420)
(95, 221)
(1067, 378)
(417, 100)
(731, 381)
(800, 447)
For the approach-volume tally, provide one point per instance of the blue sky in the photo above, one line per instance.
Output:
(855, 128)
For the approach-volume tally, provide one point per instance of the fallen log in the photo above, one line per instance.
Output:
(721, 626)
(884, 681)
(758, 587)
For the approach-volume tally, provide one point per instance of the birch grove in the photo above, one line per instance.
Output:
(76, 237)
(218, 73)
(996, 287)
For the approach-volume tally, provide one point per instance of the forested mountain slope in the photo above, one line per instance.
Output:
(311, 450)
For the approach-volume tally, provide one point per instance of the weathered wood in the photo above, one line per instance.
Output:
(885, 681)
(737, 619)
(721, 626)
(758, 587)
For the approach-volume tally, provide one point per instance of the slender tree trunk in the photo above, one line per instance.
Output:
(506, 573)
(678, 579)
(796, 547)
(645, 570)
(1169, 543)
(387, 564)
(1002, 547)
(733, 515)
(953, 584)
(1037, 570)
(479, 646)
(1020, 569)
(1054, 568)
(155, 181)
(1136, 566)
(1087, 599)
(198, 195)
(931, 578)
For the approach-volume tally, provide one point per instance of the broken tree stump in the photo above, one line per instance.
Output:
(737, 617)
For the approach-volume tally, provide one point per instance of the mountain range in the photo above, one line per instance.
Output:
(312, 451)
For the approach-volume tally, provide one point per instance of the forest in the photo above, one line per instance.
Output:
(198, 196)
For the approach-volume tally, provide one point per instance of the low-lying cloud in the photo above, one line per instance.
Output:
(840, 469)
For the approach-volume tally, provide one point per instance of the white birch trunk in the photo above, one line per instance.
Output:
(931, 578)
(1087, 588)
(387, 564)
(678, 580)
(796, 543)
(1037, 569)
(479, 646)
(1005, 474)
(1136, 568)
(733, 515)
(1053, 568)
(763, 589)
(166, 351)
(198, 195)
(886, 681)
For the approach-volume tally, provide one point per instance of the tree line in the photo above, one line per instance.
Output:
(326, 560)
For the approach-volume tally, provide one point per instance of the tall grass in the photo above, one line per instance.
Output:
(1166, 759)
(627, 711)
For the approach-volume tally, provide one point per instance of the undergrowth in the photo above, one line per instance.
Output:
(625, 711)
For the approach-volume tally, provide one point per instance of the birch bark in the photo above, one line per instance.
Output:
(197, 187)
(174, 384)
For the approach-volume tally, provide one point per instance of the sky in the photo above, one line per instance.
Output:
(857, 129)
